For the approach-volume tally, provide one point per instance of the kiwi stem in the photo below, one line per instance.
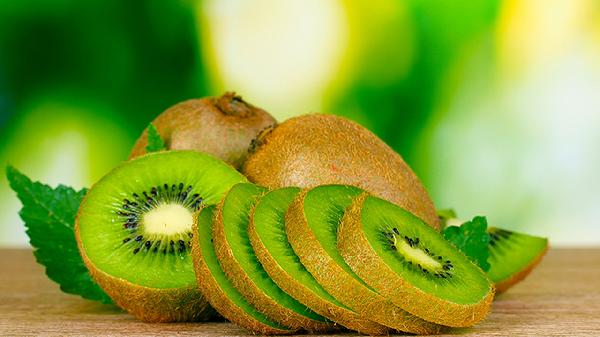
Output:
(233, 105)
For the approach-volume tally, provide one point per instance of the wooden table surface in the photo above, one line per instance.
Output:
(560, 298)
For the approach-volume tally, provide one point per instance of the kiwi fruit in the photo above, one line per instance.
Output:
(236, 256)
(217, 288)
(133, 230)
(411, 264)
(268, 238)
(319, 149)
(311, 224)
(513, 256)
(222, 126)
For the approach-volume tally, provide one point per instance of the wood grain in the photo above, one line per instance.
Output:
(560, 298)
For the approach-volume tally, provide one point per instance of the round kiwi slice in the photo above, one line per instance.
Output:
(218, 289)
(311, 224)
(236, 256)
(222, 126)
(269, 240)
(318, 149)
(513, 256)
(133, 229)
(411, 264)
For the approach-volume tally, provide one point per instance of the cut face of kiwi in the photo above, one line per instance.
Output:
(134, 231)
(411, 264)
(269, 240)
(311, 225)
(512, 256)
(236, 256)
(218, 289)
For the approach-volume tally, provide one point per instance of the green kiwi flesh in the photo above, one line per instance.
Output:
(237, 258)
(218, 289)
(311, 224)
(412, 265)
(134, 228)
(512, 256)
(269, 240)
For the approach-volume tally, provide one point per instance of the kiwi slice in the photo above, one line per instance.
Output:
(217, 288)
(221, 126)
(269, 240)
(411, 264)
(237, 258)
(311, 224)
(134, 227)
(512, 256)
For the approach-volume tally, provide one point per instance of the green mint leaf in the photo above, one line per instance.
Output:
(155, 142)
(49, 216)
(472, 239)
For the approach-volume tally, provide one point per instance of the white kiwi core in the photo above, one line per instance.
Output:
(168, 219)
(416, 255)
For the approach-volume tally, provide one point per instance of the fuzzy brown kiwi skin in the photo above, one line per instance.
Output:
(503, 285)
(150, 304)
(297, 290)
(318, 149)
(342, 285)
(218, 298)
(253, 294)
(364, 261)
(222, 126)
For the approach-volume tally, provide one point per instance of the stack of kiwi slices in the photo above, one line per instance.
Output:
(281, 229)
(331, 257)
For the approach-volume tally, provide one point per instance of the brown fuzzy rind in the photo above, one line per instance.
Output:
(150, 304)
(364, 261)
(502, 286)
(319, 149)
(253, 294)
(222, 126)
(219, 300)
(342, 285)
(342, 316)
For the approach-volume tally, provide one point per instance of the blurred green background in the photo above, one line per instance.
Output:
(495, 104)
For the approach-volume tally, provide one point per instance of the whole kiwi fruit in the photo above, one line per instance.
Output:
(221, 126)
(318, 149)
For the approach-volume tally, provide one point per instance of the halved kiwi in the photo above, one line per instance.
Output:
(311, 224)
(134, 229)
(410, 264)
(513, 256)
(269, 240)
(218, 289)
(237, 258)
